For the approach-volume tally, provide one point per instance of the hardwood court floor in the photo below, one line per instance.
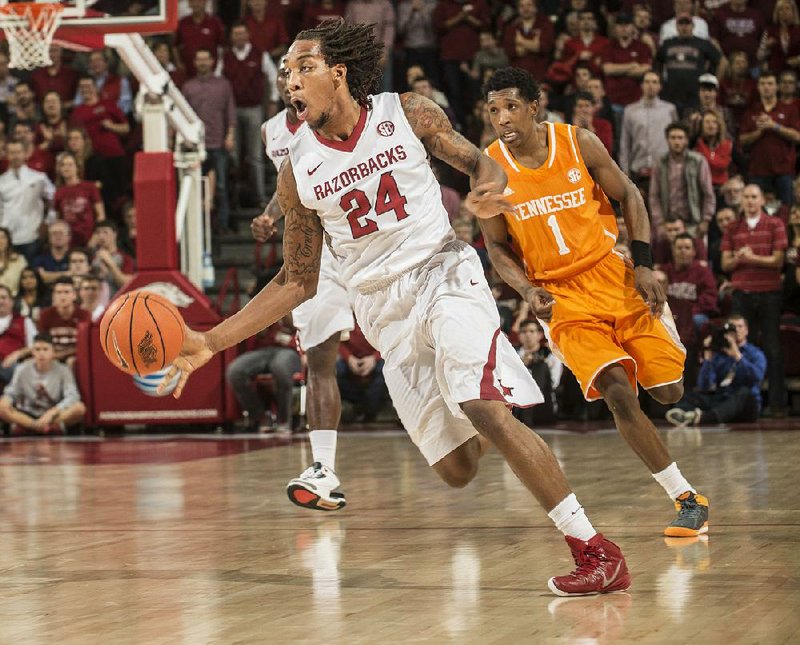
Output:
(209, 550)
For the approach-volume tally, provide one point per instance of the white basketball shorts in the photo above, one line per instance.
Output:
(438, 331)
(328, 312)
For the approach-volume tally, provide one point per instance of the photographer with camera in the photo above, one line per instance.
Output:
(729, 384)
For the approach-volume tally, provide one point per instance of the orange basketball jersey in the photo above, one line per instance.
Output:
(560, 219)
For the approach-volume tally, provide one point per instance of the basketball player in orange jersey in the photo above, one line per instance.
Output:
(358, 167)
(605, 319)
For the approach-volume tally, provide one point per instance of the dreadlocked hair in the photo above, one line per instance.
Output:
(513, 77)
(354, 47)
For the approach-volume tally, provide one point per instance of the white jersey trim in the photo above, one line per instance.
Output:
(508, 157)
(552, 143)
(570, 128)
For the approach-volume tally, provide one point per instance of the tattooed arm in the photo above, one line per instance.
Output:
(295, 283)
(433, 128)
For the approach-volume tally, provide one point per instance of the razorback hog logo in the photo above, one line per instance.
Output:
(147, 351)
(386, 128)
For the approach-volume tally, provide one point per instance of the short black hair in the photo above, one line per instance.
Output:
(513, 77)
(107, 223)
(64, 280)
(355, 47)
(676, 125)
(683, 236)
(584, 96)
(767, 73)
(81, 251)
(43, 338)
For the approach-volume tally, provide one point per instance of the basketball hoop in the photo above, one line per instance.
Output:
(29, 29)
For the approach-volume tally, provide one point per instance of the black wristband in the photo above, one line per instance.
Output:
(640, 252)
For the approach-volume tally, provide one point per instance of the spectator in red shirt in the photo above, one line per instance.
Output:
(459, 23)
(198, 31)
(56, 78)
(61, 320)
(583, 117)
(787, 88)
(692, 297)
(662, 249)
(771, 132)
(25, 106)
(737, 88)
(715, 145)
(90, 166)
(589, 45)
(359, 373)
(624, 61)
(780, 44)
(267, 27)
(643, 23)
(112, 265)
(752, 251)
(317, 11)
(35, 157)
(51, 132)
(77, 201)
(110, 87)
(529, 39)
(163, 53)
(738, 27)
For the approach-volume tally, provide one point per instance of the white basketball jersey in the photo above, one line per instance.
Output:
(277, 132)
(375, 193)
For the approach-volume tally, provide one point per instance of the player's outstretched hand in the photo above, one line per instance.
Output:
(263, 227)
(541, 302)
(487, 201)
(194, 354)
(651, 289)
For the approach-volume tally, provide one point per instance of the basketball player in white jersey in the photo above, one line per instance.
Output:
(320, 323)
(360, 170)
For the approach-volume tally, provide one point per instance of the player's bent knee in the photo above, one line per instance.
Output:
(620, 397)
(458, 478)
(671, 393)
(459, 467)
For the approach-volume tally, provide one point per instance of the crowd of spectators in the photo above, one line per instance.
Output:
(696, 100)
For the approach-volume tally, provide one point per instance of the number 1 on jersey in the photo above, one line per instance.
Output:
(552, 222)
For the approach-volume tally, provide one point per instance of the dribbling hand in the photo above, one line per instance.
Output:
(263, 227)
(541, 302)
(194, 354)
(486, 201)
(650, 289)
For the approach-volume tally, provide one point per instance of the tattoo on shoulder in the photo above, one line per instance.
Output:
(423, 114)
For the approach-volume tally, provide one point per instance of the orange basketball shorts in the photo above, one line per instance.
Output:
(599, 319)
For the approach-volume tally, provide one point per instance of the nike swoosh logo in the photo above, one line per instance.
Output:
(608, 582)
(473, 283)
(311, 171)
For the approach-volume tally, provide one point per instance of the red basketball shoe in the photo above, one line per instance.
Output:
(601, 569)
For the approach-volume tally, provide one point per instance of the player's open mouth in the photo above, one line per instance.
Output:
(301, 108)
(509, 137)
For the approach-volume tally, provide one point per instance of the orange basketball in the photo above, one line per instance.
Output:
(141, 332)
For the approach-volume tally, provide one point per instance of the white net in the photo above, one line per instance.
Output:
(29, 29)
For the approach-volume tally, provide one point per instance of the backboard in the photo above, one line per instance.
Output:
(84, 22)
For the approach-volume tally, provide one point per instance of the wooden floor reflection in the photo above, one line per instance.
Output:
(210, 550)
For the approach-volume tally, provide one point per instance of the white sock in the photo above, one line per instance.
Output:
(323, 447)
(571, 520)
(672, 481)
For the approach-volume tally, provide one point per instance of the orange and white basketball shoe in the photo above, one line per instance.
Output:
(315, 489)
(601, 569)
(692, 517)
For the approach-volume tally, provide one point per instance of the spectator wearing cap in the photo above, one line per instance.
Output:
(752, 252)
(200, 30)
(707, 101)
(681, 185)
(684, 59)
(642, 141)
(737, 27)
(267, 27)
(625, 60)
(110, 87)
(250, 72)
(770, 133)
(529, 39)
(780, 44)
(683, 8)
(56, 77)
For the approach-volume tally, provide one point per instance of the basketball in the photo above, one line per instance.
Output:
(141, 332)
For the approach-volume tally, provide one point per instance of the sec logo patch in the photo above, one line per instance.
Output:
(574, 175)
(386, 128)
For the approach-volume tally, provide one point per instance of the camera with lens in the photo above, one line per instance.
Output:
(720, 335)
